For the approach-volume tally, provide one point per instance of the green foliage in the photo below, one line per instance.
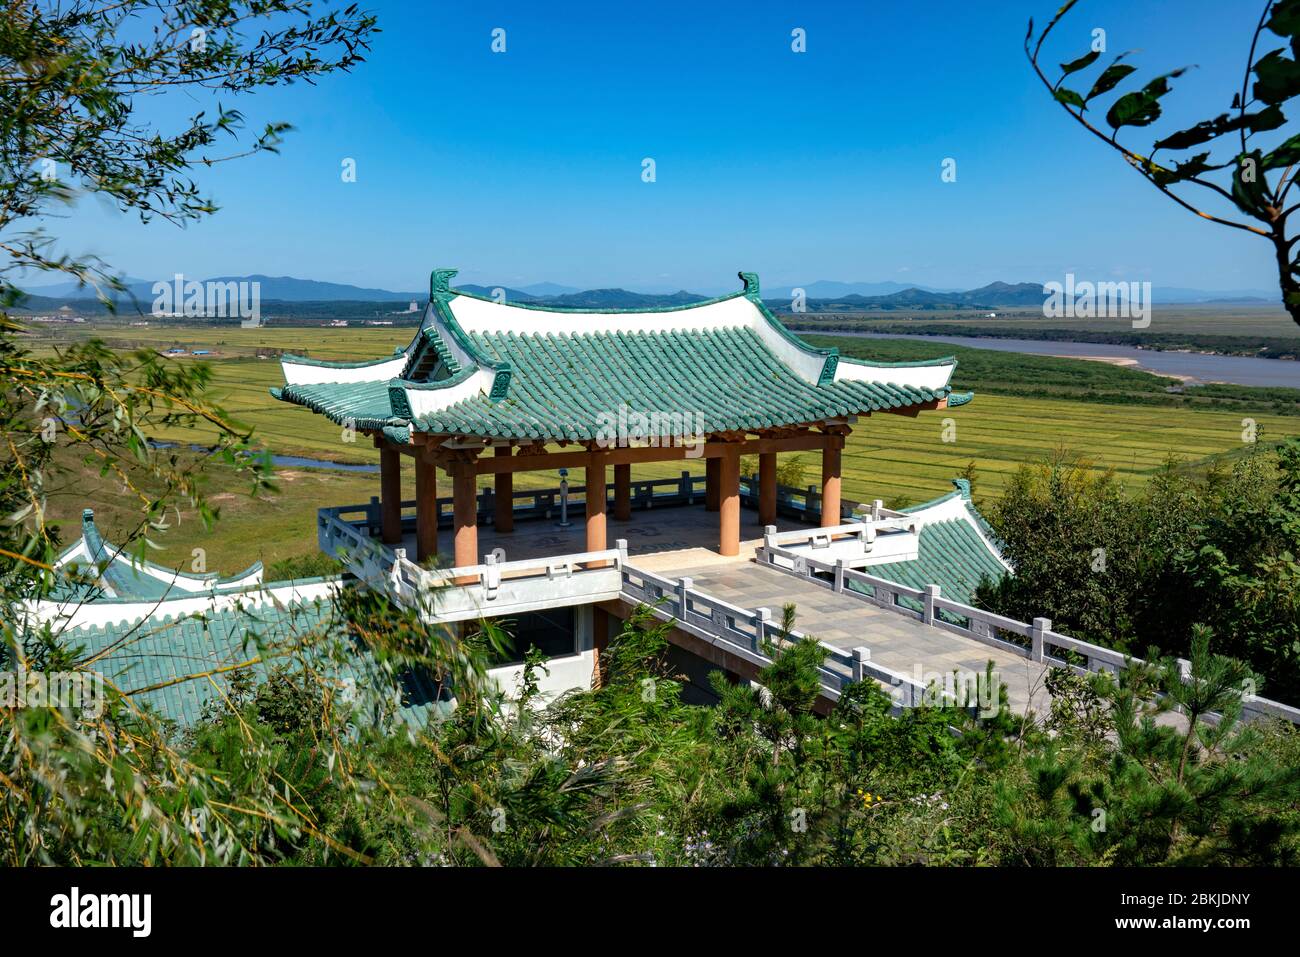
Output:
(75, 75)
(317, 565)
(1276, 82)
(791, 470)
(1128, 571)
(1155, 787)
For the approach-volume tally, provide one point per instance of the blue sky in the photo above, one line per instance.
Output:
(526, 166)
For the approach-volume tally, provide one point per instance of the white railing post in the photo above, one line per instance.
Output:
(684, 586)
(761, 618)
(839, 575)
(621, 545)
(931, 593)
(1037, 632)
(491, 577)
(860, 658)
(876, 508)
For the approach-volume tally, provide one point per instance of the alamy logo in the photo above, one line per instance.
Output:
(1098, 300)
(628, 427)
(191, 299)
(134, 911)
(80, 690)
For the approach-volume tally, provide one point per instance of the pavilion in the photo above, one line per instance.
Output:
(490, 388)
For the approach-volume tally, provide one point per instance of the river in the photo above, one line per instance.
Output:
(1194, 366)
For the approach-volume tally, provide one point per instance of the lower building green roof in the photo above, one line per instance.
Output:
(950, 554)
(160, 653)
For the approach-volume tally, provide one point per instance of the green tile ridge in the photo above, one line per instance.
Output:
(160, 649)
(129, 575)
(950, 554)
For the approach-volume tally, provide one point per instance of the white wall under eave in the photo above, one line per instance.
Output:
(923, 377)
(567, 673)
(381, 371)
(425, 401)
(487, 318)
(69, 615)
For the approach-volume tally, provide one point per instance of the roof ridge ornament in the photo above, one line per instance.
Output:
(750, 279)
(440, 283)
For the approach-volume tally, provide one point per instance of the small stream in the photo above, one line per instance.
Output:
(282, 461)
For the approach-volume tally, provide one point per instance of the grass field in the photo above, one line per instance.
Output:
(892, 457)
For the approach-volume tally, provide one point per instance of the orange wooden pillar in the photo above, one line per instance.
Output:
(831, 480)
(504, 493)
(729, 500)
(712, 475)
(426, 509)
(623, 492)
(464, 494)
(390, 496)
(767, 488)
(596, 502)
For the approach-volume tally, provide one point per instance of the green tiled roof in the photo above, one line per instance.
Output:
(953, 552)
(561, 384)
(365, 404)
(107, 568)
(729, 376)
(553, 374)
(162, 649)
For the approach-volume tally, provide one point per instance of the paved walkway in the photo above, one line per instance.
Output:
(681, 541)
(896, 641)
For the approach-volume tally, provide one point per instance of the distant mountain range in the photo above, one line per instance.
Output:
(832, 289)
(275, 288)
(821, 296)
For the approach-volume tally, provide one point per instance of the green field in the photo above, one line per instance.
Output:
(892, 457)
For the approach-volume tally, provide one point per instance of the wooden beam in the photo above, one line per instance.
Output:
(464, 494)
(767, 488)
(596, 504)
(831, 481)
(623, 492)
(729, 501)
(426, 511)
(504, 492)
(390, 496)
(807, 442)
